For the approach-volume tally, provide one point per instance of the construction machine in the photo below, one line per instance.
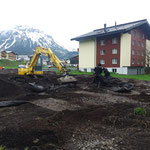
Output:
(29, 69)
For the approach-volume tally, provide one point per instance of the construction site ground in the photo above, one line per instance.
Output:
(81, 117)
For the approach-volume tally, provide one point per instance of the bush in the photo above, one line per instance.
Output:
(140, 111)
(2, 147)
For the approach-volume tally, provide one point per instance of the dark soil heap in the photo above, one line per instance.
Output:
(8, 89)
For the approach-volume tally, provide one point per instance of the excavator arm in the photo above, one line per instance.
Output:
(30, 69)
(48, 52)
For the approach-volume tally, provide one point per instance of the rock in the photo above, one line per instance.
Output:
(35, 141)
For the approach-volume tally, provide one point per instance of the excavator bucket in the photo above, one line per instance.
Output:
(67, 79)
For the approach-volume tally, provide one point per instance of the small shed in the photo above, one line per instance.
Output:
(74, 60)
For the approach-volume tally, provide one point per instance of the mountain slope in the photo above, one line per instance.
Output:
(23, 40)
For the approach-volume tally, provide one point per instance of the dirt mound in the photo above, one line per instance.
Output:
(8, 89)
(17, 87)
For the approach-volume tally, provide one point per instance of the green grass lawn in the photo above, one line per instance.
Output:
(14, 65)
(10, 64)
(145, 77)
(76, 72)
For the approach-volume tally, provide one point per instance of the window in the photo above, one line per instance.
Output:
(114, 61)
(139, 52)
(102, 42)
(132, 61)
(143, 44)
(134, 33)
(114, 70)
(142, 53)
(138, 62)
(102, 52)
(133, 52)
(85, 70)
(142, 62)
(114, 51)
(102, 61)
(114, 40)
(139, 34)
(133, 42)
(139, 43)
(143, 36)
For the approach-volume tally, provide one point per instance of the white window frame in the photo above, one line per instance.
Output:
(102, 52)
(102, 42)
(114, 61)
(114, 51)
(114, 40)
(102, 61)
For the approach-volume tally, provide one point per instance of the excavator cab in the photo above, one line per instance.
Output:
(39, 64)
(28, 69)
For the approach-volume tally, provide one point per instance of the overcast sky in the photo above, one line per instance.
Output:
(65, 19)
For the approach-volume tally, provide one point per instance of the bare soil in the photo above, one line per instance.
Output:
(65, 117)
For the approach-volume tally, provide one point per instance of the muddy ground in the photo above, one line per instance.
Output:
(83, 117)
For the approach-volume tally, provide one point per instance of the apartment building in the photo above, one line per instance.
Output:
(120, 48)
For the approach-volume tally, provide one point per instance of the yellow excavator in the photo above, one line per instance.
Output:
(30, 68)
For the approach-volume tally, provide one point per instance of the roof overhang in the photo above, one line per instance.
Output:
(143, 24)
(99, 35)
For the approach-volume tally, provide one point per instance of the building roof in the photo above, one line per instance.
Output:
(8, 52)
(75, 57)
(122, 28)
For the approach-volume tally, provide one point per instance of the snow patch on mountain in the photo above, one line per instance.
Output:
(24, 39)
(6, 46)
(4, 42)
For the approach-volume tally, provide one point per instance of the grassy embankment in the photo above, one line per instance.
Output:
(10, 64)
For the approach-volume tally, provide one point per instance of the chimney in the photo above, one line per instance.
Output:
(105, 27)
(115, 25)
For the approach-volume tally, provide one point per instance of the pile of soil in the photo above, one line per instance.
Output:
(8, 89)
